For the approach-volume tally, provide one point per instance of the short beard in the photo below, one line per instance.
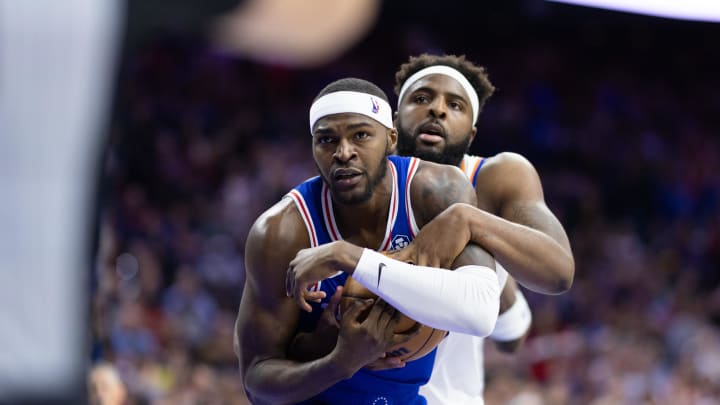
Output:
(369, 187)
(452, 154)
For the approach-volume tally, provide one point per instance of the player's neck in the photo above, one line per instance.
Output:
(364, 224)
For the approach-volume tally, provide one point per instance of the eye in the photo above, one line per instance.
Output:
(456, 105)
(325, 139)
(361, 135)
(421, 99)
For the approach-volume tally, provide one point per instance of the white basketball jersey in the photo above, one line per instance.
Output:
(458, 376)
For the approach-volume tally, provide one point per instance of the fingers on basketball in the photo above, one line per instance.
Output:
(383, 314)
(355, 311)
(415, 340)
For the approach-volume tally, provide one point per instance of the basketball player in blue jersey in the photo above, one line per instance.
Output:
(439, 99)
(302, 250)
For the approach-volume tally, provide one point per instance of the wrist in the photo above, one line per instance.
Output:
(474, 223)
(340, 366)
(463, 214)
(347, 256)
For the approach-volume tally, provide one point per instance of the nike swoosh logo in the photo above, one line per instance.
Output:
(381, 266)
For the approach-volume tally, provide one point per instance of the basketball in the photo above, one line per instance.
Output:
(418, 346)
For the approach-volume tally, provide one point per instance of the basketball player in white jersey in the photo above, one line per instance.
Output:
(439, 100)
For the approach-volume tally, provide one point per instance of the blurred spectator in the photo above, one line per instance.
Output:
(130, 336)
(188, 308)
(105, 386)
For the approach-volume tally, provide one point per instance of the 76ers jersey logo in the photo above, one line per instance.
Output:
(399, 242)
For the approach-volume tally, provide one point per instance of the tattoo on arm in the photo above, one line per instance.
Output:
(440, 193)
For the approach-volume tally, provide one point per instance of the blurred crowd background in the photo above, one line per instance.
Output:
(619, 113)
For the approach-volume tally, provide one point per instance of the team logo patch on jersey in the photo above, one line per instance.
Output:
(380, 401)
(399, 242)
(375, 105)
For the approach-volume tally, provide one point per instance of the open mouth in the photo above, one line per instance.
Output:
(431, 133)
(346, 177)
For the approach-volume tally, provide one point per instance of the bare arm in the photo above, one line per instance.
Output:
(525, 236)
(267, 320)
(511, 221)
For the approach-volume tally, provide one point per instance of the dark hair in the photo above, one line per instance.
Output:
(476, 75)
(353, 84)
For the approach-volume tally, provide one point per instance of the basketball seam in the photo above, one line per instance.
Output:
(423, 345)
(357, 297)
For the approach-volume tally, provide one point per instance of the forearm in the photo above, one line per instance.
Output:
(279, 381)
(308, 346)
(535, 259)
(465, 300)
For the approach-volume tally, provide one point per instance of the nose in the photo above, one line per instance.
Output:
(438, 107)
(344, 151)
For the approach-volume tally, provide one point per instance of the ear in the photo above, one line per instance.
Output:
(392, 141)
(472, 134)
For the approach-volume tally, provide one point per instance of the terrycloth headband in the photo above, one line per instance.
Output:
(351, 102)
(447, 71)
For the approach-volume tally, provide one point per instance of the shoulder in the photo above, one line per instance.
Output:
(507, 161)
(274, 239)
(435, 187)
(438, 176)
(507, 176)
(283, 215)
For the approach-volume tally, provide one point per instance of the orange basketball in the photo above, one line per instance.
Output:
(418, 346)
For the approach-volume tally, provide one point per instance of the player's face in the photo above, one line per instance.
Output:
(434, 120)
(350, 151)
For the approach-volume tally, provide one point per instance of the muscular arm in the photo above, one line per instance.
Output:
(525, 236)
(267, 319)
(510, 220)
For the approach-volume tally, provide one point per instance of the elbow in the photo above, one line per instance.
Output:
(485, 328)
(565, 279)
(257, 395)
(561, 280)
(470, 321)
(253, 387)
(563, 285)
(559, 285)
(250, 389)
(483, 324)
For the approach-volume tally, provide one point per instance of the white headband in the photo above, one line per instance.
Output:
(447, 71)
(351, 102)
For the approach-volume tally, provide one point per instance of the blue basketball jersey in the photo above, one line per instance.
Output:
(313, 200)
